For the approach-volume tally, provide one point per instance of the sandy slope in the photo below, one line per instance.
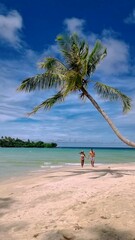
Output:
(70, 204)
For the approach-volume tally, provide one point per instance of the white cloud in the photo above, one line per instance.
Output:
(131, 18)
(10, 26)
(15, 105)
(74, 25)
(51, 51)
(117, 60)
(72, 119)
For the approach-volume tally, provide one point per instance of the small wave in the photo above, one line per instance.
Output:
(51, 166)
(36, 171)
(47, 166)
(75, 164)
(47, 163)
(56, 166)
(72, 164)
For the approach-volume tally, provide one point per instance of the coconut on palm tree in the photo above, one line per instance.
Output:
(73, 74)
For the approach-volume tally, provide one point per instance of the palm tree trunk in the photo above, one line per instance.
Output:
(123, 139)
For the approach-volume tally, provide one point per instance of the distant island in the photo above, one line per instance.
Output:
(12, 142)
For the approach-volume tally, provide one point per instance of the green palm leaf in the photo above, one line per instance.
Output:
(53, 77)
(47, 104)
(113, 94)
(40, 81)
(53, 65)
(74, 51)
(97, 54)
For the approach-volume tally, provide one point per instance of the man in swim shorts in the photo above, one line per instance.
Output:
(92, 157)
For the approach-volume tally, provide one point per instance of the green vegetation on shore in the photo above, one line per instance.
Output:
(12, 142)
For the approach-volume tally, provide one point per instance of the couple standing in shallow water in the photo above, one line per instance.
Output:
(91, 156)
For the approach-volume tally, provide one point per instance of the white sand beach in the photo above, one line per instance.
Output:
(70, 204)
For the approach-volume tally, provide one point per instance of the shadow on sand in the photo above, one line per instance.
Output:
(99, 173)
(6, 230)
(97, 233)
(6, 202)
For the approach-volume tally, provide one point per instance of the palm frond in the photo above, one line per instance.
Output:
(113, 94)
(53, 65)
(47, 104)
(97, 54)
(41, 81)
(53, 77)
(64, 45)
(73, 82)
(70, 50)
(75, 52)
(84, 49)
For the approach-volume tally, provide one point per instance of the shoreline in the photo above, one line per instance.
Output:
(70, 203)
(14, 162)
(50, 168)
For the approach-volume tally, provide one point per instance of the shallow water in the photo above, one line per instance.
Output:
(18, 161)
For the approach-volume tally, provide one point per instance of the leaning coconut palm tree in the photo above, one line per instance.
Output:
(73, 74)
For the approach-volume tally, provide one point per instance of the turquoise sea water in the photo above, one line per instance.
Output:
(18, 161)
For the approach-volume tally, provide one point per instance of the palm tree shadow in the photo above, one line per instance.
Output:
(97, 233)
(109, 233)
(99, 173)
(113, 173)
(6, 202)
(70, 173)
(6, 228)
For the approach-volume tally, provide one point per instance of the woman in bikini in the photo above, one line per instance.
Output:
(82, 157)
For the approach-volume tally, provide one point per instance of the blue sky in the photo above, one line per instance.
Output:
(28, 30)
